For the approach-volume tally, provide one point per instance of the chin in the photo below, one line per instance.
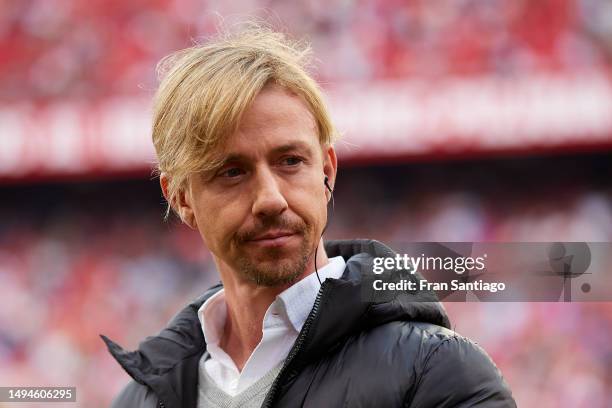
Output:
(275, 271)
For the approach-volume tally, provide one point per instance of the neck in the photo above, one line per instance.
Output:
(247, 304)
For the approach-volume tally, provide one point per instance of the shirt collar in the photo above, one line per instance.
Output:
(295, 301)
(298, 300)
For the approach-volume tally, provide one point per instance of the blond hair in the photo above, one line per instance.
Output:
(205, 89)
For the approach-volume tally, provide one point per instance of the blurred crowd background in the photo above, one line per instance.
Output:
(97, 48)
(88, 253)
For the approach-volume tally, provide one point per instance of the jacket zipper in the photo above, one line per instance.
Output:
(297, 347)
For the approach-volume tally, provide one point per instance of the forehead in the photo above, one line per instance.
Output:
(276, 117)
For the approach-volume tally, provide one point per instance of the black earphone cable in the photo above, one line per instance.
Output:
(324, 228)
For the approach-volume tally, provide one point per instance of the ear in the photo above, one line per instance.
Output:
(330, 166)
(180, 202)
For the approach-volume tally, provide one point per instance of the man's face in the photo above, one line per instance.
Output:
(263, 211)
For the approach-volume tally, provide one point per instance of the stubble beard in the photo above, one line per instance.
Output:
(279, 267)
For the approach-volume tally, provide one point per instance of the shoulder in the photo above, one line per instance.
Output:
(453, 371)
(415, 364)
(135, 395)
(430, 338)
(409, 349)
(435, 366)
(402, 336)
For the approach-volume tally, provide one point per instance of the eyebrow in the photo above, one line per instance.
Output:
(289, 147)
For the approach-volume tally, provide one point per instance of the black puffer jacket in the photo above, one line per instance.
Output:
(357, 349)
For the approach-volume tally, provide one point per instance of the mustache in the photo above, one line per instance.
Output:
(265, 225)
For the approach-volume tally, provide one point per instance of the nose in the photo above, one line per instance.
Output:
(269, 200)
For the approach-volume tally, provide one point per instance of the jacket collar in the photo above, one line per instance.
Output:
(351, 304)
(168, 362)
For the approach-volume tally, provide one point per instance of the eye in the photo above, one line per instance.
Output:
(292, 161)
(231, 172)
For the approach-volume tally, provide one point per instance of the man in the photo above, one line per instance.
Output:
(245, 153)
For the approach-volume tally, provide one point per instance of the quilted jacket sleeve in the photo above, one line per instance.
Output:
(458, 373)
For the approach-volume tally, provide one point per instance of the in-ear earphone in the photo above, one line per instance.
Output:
(331, 191)
(326, 182)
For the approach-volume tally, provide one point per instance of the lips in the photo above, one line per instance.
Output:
(271, 235)
(273, 238)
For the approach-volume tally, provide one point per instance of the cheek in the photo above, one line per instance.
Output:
(217, 224)
(311, 204)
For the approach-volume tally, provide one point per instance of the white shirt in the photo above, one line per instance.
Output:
(282, 323)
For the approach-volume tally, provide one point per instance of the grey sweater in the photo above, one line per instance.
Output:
(211, 396)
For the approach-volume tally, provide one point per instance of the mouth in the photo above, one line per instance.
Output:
(273, 239)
